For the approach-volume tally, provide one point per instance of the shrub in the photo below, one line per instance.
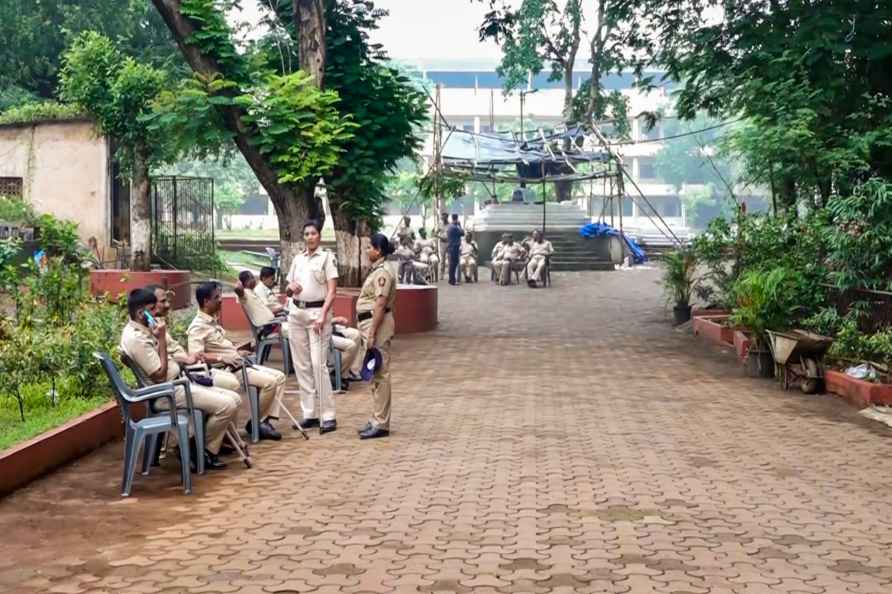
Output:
(679, 276)
(40, 111)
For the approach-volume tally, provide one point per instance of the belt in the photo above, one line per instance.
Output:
(308, 304)
(367, 315)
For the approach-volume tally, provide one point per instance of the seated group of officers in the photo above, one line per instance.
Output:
(213, 362)
(531, 254)
(422, 259)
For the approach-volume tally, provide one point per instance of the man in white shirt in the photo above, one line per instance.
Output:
(264, 290)
(539, 249)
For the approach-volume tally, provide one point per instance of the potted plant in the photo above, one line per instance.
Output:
(679, 281)
(764, 300)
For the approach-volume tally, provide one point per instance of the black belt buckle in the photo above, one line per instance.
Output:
(308, 304)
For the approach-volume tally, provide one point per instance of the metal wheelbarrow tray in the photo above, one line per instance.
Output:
(799, 355)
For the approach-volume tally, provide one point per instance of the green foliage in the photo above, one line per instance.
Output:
(40, 111)
(35, 35)
(767, 300)
(297, 126)
(850, 343)
(58, 237)
(860, 239)
(118, 92)
(679, 276)
(15, 210)
(387, 107)
(613, 107)
(213, 36)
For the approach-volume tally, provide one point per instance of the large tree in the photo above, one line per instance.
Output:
(117, 91)
(35, 35)
(812, 78)
(328, 41)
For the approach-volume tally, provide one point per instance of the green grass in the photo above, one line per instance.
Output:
(40, 415)
(327, 234)
(244, 260)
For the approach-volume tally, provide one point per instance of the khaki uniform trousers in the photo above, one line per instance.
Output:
(504, 270)
(381, 380)
(468, 267)
(219, 405)
(352, 347)
(535, 268)
(441, 249)
(309, 356)
(271, 386)
(226, 380)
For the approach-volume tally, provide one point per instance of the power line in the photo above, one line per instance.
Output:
(674, 136)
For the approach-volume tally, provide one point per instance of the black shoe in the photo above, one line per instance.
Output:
(308, 423)
(226, 450)
(267, 431)
(328, 426)
(365, 427)
(353, 378)
(213, 462)
(531, 284)
(373, 432)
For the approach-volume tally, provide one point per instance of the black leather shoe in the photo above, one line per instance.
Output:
(328, 426)
(373, 432)
(267, 431)
(213, 462)
(308, 423)
(364, 428)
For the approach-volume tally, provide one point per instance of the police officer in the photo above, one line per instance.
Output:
(539, 249)
(374, 311)
(256, 309)
(312, 283)
(144, 340)
(264, 290)
(221, 378)
(206, 336)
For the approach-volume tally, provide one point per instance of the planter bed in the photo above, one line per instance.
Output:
(742, 343)
(31, 459)
(713, 329)
(116, 282)
(861, 393)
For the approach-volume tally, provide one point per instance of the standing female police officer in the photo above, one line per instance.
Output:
(374, 311)
(312, 282)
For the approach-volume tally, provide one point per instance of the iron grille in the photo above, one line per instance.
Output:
(182, 219)
(11, 187)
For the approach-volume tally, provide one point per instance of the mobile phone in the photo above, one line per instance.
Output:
(150, 319)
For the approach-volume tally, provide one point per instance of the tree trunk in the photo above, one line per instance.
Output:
(352, 239)
(597, 48)
(309, 22)
(140, 224)
(293, 205)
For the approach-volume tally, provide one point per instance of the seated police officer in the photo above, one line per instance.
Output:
(144, 340)
(207, 336)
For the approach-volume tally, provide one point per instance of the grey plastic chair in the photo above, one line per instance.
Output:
(335, 355)
(263, 344)
(153, 442)
(136, 432)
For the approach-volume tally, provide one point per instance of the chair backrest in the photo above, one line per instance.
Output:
(141, 378)
(122, 391)
(255, 330)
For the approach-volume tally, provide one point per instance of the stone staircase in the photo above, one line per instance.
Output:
(573, 252)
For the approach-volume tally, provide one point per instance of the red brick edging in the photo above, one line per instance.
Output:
(22, 463)
(859, 392)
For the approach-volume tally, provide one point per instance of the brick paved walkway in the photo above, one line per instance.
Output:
(585, 448)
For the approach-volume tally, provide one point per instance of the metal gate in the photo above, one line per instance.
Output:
(183, 222)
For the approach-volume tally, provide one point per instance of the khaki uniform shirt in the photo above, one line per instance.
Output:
(541, 249)
(497, 251)
(380, 282)
(512, 252)
(257, 310)
(138, 343)
(312, 273)
(207, 335)
(469, 248)
(266, 295)
(426, 246)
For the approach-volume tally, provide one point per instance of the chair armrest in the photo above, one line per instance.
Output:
(153, 391)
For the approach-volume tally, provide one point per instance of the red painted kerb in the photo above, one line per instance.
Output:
(116, 282)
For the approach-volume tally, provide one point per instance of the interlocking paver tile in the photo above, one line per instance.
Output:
(561, 440)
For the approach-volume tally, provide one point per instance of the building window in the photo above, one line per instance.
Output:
(646, 169)
(11, 187)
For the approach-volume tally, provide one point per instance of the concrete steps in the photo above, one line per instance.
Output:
(573, 252)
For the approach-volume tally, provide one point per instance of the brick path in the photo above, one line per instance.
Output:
(585, 448)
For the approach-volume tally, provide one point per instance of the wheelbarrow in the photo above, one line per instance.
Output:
(799, 358)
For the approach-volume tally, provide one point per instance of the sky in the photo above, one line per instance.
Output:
(427, 30)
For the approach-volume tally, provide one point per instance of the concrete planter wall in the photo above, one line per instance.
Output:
(742, 343)
(27, 461)
(713, 329)
(859, 392)
(415, 309)
(116, 282)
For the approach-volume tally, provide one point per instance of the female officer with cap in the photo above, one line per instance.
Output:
(374, 311)
(312, 282)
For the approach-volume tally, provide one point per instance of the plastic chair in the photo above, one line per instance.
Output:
(136, 432)
(253, 394)
(335, 355)
(546, 272)
(153, 442)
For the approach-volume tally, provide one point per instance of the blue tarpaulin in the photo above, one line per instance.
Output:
(603, 229)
